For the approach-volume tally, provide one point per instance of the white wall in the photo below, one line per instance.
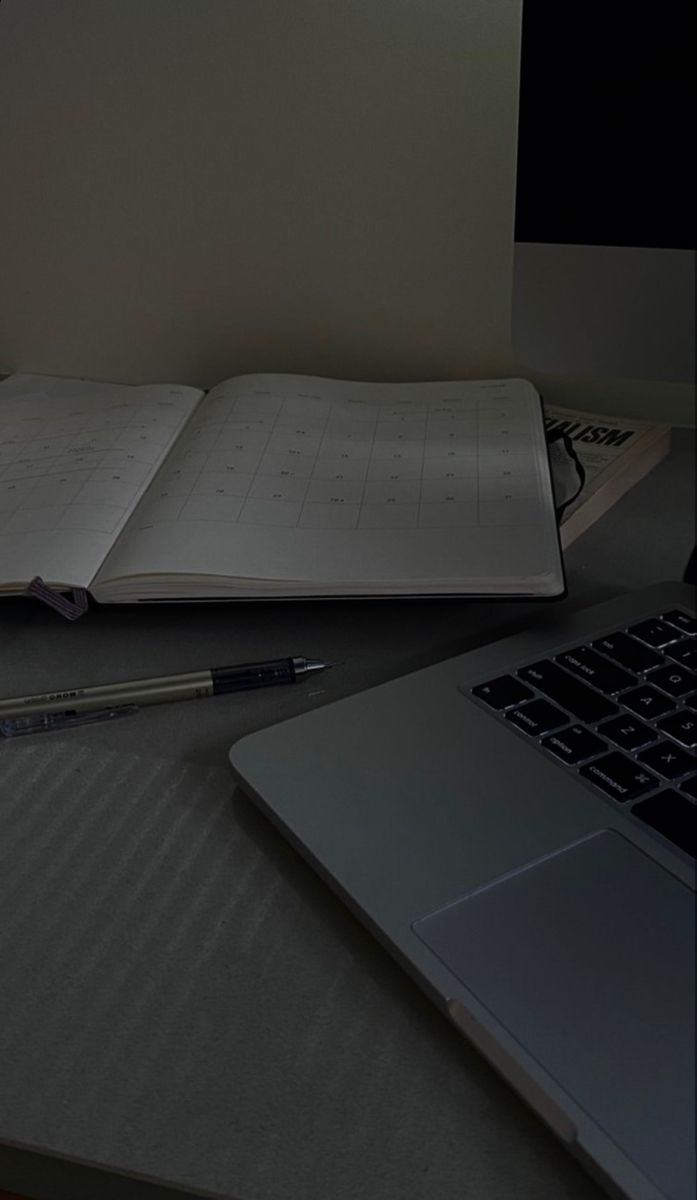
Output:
(197, 188)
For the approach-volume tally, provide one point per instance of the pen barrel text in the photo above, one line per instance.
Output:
(159, 690)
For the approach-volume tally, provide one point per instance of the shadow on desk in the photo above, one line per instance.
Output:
(155, 1045)
(53, 1179)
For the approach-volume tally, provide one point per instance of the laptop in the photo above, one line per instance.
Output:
(518, 826)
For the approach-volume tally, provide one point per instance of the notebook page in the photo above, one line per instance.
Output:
(75, 457)
(338, 484)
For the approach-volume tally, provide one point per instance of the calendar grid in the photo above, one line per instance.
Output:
(298, 460)
(80, 463)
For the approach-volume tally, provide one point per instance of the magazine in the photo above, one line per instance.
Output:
(595, 459)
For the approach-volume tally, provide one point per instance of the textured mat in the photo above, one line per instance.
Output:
(183, 1001)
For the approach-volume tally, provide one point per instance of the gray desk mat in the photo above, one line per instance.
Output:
(182, 1001)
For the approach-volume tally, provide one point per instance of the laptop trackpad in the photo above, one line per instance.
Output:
(586, 958)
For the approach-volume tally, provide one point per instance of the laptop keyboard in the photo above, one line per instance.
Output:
(620, 712)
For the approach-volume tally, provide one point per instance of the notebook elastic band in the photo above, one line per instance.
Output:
(70, 609)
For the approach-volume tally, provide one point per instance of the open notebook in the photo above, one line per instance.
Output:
(275, 486)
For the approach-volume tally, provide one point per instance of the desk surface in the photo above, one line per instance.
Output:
(261, 1044)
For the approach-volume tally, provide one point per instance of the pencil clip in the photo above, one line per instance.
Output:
(70, 609)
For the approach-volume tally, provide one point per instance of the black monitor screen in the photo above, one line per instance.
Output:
(607, 140)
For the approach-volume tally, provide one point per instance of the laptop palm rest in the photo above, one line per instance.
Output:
(582, 958)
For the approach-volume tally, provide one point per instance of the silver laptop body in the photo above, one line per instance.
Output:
(554, 927)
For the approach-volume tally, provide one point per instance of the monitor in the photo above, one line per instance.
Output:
(606, 202)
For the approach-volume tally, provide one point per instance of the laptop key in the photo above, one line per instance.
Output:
(503, 692)
(564, 689)
(628, 732)
(668, 759)
(676, 680)
(682, 620)
(537, 717)
(618, 776)
(684, 652)
(673, 816)
(648, 702)
(689, 786)
(682, 726)
(628, 652)
(589, 665)
(574, 744)
(654, 633)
